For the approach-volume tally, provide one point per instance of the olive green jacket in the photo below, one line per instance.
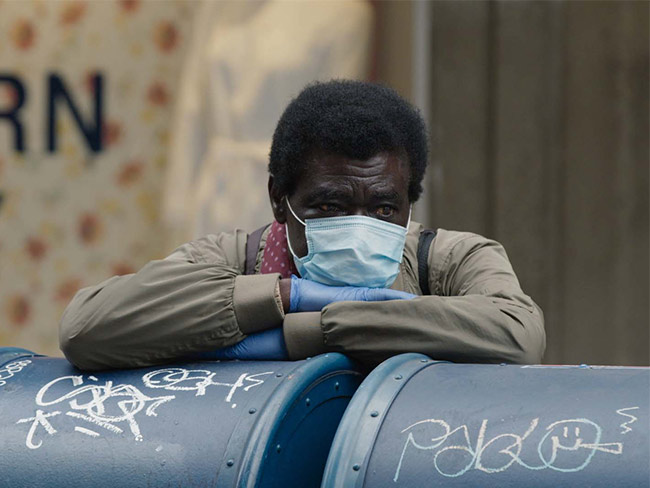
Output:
(198, 299)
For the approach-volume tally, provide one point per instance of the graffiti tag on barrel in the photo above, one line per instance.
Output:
(567, 445)
(103, 406)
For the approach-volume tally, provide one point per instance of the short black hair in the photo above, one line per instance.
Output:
(354, 119)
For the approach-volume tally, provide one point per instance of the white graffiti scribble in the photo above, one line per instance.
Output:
(11, 369)
(39, 418)
(113, 428)
(103, 405)
(180, 379)
(89, 432)
(454, 454)
(626, 425)
(107, 407)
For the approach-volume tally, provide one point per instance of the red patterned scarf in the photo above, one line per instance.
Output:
(277, 257)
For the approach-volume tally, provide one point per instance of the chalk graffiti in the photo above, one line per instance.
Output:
(102, 405)
(40, 418)
(626, 425)
(566, 445)
(11, 369)
(108, 407)
(181, 379)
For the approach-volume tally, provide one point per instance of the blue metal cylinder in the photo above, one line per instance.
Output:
(216, 424)
(416, 423)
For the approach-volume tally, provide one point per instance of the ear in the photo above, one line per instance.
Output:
(278, 203)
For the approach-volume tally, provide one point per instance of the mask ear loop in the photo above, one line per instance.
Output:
(294, 213)
(286, 229)
(408, 222)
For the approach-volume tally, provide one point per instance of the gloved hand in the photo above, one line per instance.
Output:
(267, 345)
(310, 296)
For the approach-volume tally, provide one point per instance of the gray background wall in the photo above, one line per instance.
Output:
(539, 125)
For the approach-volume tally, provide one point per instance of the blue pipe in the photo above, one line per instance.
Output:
(416, 423)
(215, 424)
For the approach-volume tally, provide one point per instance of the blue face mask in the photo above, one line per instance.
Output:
(353, 250)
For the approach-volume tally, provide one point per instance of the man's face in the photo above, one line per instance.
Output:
(333, 186)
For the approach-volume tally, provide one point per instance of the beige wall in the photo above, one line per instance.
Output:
(540, 126)
(74, 217)
(394, 45)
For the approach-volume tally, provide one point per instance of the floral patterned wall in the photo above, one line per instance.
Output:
(74, 217)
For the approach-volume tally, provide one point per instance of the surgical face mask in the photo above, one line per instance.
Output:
(352, 250)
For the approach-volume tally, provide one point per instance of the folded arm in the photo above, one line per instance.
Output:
(479, 314)
(194, 300)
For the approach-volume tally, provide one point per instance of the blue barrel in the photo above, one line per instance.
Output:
(416, 423)
(203, 424)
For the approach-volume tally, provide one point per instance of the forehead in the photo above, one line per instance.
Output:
(385, 171)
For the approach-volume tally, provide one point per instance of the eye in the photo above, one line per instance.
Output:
(385, 211)
(327, 208)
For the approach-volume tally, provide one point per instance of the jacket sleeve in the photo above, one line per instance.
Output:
(194, 300)
(478, 313)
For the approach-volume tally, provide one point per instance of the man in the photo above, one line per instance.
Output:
(338, 270)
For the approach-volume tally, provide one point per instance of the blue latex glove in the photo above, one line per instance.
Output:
(267, 345)
(310, 296)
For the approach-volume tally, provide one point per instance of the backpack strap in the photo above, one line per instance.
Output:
(252, 247)
(424, 244)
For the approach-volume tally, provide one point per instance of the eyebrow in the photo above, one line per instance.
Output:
(387, 195)
(338, 194)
